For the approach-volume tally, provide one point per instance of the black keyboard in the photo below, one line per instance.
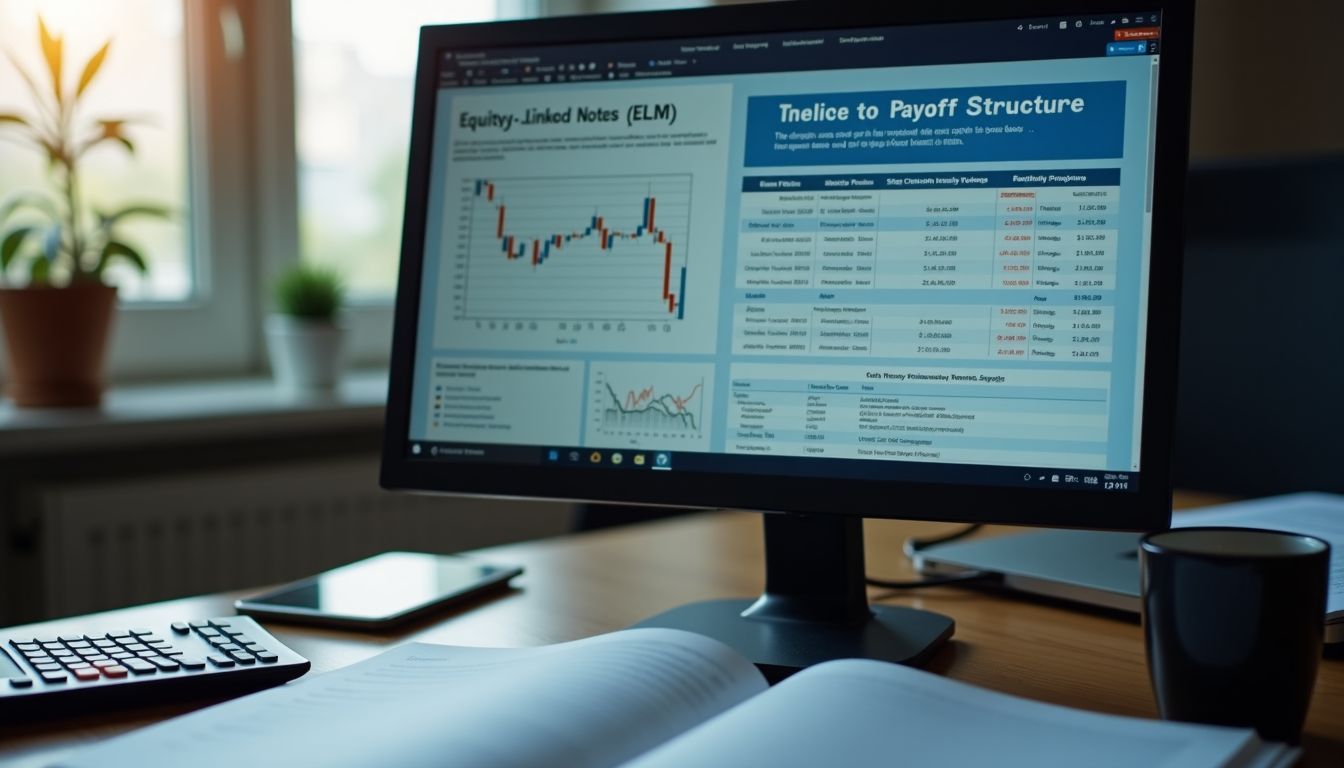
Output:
(44, 676)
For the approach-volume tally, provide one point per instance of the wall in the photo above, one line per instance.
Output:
(101, 543)
(1269, 78)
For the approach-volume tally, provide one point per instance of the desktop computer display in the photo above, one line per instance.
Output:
(835, 261)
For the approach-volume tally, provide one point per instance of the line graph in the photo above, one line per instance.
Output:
(649, 405)
(646, 410)
(609, 247)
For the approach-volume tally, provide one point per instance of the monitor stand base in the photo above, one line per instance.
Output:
(815, 605)
(781, 647)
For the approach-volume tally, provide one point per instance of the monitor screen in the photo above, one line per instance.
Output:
(914, 253)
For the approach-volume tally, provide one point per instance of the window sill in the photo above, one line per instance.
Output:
(198, 411)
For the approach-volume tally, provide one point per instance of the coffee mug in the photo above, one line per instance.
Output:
(1233, 620)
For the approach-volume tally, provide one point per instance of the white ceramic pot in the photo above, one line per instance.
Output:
(307, 356)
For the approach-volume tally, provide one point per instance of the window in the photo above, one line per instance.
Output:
(142, 78)
(354, 66)
(275, 131)
(181, 67)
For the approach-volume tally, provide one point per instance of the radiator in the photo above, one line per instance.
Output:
(115, 544)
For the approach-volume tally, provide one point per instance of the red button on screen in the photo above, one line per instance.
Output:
(1137, 33)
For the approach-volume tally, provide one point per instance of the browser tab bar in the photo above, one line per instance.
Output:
(1051, 38)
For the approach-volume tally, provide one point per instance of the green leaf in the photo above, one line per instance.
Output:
(116, 248)
(51, 242)
(111, 127)
(140, 210)
(51, 51)
(29, 200)
(11, 245)
(91, 69)
(27, 77)
(40, 272)
(54, 156)
(27, 132)
(109, 220)
(109, 130)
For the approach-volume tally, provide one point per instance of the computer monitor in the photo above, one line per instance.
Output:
(823, 260)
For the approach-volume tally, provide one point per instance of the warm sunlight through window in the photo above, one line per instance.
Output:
(354, 66)
(141, 79)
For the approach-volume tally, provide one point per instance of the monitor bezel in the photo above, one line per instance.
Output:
(1148, 508)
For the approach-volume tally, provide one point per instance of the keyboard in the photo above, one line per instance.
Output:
(43, 676)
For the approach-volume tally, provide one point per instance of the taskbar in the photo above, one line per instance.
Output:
(639, 459)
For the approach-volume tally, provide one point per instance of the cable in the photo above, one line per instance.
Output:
(933, 581)
(914, 545)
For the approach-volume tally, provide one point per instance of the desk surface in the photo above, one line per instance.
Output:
(587, 584)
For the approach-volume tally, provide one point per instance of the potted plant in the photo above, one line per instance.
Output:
(58, 313)
(305, 342)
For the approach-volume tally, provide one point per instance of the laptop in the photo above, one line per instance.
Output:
(1093, 567)
(1101, 568)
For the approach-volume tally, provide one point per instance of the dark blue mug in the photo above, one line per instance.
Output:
(1234, 619)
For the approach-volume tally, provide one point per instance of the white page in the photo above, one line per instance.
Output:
(867, 713)
(1314, 514)
(594, 702)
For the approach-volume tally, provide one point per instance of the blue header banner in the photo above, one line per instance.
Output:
(1054, 121)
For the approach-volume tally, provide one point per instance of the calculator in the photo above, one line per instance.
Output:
(42, 676)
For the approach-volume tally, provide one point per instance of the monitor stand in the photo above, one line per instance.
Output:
(815, 606)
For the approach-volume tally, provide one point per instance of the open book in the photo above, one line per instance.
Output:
(653, 697)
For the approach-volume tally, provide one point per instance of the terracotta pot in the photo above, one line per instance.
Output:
(57, 342)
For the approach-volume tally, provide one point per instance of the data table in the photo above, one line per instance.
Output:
(997, 265)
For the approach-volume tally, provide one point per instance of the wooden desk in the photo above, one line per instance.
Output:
(587, 584)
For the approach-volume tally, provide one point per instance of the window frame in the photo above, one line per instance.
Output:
(368, 321)
(242, 225)
(157, 338)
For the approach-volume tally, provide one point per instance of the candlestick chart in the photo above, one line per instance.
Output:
(583, 248)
